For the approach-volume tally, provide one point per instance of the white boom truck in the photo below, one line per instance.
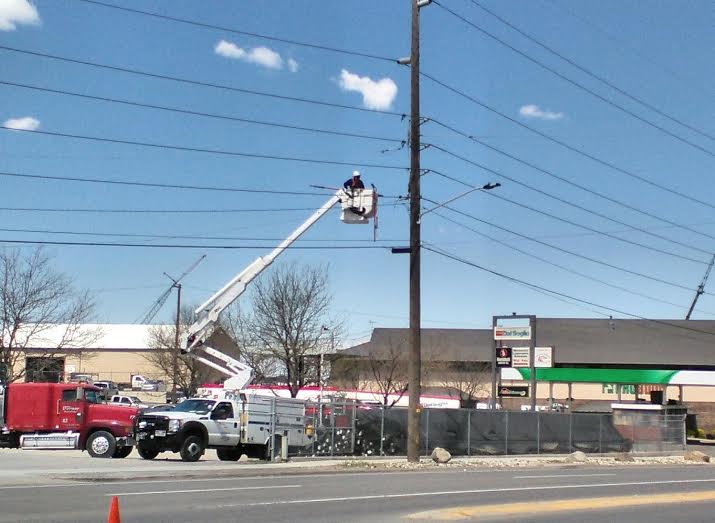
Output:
(240, 422)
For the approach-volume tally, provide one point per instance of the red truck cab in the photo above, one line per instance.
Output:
(64, 415)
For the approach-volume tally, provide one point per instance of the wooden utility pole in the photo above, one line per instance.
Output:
(415, 353)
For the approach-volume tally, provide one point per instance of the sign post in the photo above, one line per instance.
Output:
(514, 356)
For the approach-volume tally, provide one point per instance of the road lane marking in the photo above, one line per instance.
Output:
(201, 490)
(473, 491)
(563, 476)
(564, 505)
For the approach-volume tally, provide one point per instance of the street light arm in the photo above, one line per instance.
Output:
(485, 187)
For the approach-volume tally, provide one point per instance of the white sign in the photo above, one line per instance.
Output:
(544, 357)
(69, 369)
(512, 333)
(520, 357)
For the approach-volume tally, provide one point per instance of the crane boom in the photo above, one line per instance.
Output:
(208, 313)
(701, 288)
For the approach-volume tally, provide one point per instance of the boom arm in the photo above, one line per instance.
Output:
(209, 312)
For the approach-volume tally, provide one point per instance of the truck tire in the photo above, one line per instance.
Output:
(147, 452)
(122, 452)
(192, 448)
(229, 454)
(101, 444)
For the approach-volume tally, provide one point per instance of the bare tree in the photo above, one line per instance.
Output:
(291, 320)
(252, 352)
(39, 310)
(387, 373)
(470, 379)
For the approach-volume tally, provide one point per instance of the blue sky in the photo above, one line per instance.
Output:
(662, 55)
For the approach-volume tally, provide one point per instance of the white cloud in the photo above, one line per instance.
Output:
(17, 12)
(534, 111)
(261, 55)
(26, 123)
(375, 94)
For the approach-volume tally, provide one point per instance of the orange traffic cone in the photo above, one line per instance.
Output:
(113, 516)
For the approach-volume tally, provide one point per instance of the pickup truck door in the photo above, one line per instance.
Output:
(223, 427)
(70, 410)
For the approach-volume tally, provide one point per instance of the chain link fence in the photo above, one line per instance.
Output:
(354, 429)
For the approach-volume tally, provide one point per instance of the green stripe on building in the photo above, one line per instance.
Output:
(583, 375)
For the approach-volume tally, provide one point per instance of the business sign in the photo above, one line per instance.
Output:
(512, 333)
(520, 357)
(514, 392)
(503, 356)
(544, 357)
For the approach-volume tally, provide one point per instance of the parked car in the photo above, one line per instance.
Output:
(79, 377)
(127, 401)
(108, 388)
(153, 386)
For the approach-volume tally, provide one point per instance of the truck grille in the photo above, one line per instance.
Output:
(152, 423)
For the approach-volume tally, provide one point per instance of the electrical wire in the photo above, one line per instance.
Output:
(578, 85)
(563, 144)
(591, 73)
(179, 110)
(567, 181)
(572, 253)
(574, 205)
(565, 268)
(163, 211)
(203, 150)
(563, 295)
(190, 246)
(240, 32)
(200, 83)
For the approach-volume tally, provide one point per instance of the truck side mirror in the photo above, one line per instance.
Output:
(80, 394)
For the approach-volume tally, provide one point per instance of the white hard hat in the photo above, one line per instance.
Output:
(356, 173)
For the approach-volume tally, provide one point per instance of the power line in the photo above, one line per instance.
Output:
(240, 32)
(179, 110)
(591, 73)
(585, 227)
(572, 253)
(189, 81)
(169, 186)
(203, 150)
(577, 84)
(635, 51)
(188, 237)
(563, 295)
(576, 206)
(192, 246)
(161, 211)
(562, 143)
(565, 268)
(569, 182)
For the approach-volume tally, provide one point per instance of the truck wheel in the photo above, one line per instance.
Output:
(192, 449)
(228, 454)
(101, 444)
(147, 452)
(122, 452)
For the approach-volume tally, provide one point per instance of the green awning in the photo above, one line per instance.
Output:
(584, 375)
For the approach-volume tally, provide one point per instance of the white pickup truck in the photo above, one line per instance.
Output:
(232, 426)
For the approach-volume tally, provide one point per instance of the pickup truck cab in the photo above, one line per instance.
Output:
(126, 401)
(243, 425)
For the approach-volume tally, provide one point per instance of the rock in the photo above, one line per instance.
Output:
(439, 455)
(243, 459)
(696, 455)
(625, 457)
(576, 457)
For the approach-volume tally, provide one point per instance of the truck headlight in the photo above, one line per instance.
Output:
(174, 425)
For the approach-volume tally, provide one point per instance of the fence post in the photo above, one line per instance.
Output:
(469, 432)
(352, 440)
(570, 431)
(315, 431)
(272, 435)
(506, 432)
(427, 432)
(332, 427)
(382, 429)
(538, 432)
(600, 432)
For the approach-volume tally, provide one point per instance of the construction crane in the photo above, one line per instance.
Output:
(701, 288)
(161, 300)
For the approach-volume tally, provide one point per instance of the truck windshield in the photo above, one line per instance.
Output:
(195, 406)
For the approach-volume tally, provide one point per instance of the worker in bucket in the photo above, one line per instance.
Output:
(354, 183)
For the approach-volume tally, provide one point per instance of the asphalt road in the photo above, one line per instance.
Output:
(629, 493)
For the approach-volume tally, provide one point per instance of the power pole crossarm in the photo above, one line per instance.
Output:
(701, 288)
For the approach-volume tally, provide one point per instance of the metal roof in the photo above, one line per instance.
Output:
(672, 343)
